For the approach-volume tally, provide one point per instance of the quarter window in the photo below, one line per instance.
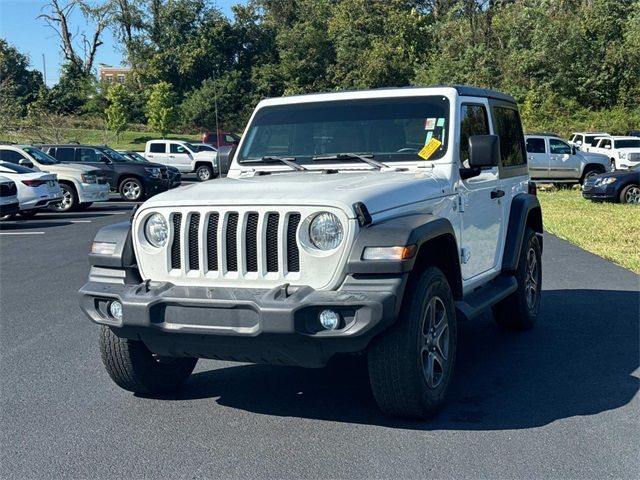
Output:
(535, 145)
(559, 147)
(509, 128)
(473, 121)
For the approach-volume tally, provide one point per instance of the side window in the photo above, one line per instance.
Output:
(177, 148)
(606, 143)
(157, 147)
(89, 155)
(535, 145)
(509, 128)
(65, 154)
(10, 156)
(229, 138)
(473, 121)
(559, 147)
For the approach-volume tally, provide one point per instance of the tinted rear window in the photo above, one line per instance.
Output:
(509, 128)
(157, 148)
(535, 145)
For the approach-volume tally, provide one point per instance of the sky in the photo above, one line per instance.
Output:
(20, 26)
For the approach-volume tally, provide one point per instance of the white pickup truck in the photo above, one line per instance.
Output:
(184, 156)
(623, 152)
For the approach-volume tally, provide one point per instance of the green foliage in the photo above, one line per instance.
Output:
(162, 112)
(116, 112)
(19, 86)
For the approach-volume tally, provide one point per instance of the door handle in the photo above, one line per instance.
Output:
(150, 156)
(497, 193)
(172, 156)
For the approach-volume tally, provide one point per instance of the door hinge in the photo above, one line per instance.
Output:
(464, 255)
(460, 203)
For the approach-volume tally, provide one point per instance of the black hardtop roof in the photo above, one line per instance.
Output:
(70, 145)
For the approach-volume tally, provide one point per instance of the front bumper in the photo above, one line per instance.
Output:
(153, 186)
(93, 192)
(600, 192)
(9, 208)
(277, 325)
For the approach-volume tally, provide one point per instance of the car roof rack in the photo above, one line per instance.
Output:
(543, 134)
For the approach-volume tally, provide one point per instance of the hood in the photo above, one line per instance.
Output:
(379, 191)
(73, 169)
(620, 174)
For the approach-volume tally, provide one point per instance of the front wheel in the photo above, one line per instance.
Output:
(588, 173)
(630, 194)
(69, 200)
(131, 190)
(133, 367)
(411, 365)
(204, 173)
(519, 311)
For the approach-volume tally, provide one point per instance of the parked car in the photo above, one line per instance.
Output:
(309, 249)
(134, 181)
(79, 183)
(175, 177)
(36, 190)
(204, 147)
(9, 204)
(620, 186)
(633, 133)
(551, 159)
(622, 152)
(583, 140)
(184, 157)
(222, 139)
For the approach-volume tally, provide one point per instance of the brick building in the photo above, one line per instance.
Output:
(110, 74)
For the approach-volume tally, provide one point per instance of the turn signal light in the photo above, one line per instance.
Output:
(390, 253)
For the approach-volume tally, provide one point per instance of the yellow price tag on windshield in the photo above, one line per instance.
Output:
(429, 148)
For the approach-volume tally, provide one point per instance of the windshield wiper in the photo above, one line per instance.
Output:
(288, 161)
(365, 157)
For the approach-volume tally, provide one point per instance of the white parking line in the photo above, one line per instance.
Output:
(21, 233)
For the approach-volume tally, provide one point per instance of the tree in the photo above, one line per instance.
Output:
(116, 112)
(19, 84)
(57, 14)
(162, 113)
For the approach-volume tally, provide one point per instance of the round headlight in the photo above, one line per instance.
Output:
(156, 230)
(325, 231)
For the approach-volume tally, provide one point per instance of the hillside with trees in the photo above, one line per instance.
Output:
(571, 64)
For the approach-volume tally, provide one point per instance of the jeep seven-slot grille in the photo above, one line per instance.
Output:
(249, 242)
(175, 245)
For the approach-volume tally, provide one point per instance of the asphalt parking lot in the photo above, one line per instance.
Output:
(560, 401)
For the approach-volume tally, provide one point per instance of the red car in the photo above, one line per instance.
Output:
(222, 139)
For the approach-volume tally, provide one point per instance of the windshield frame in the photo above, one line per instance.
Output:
(38, 155)
(114, 155)
(392, 157)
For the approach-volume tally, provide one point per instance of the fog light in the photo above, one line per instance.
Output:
(115, 309)
(329, 319)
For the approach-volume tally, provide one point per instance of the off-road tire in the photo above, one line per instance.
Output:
(518, 311)
(396, 358)
(133, 367)
(204, 173)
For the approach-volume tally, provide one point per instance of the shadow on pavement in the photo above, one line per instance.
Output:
(578, 360)
(31, 224)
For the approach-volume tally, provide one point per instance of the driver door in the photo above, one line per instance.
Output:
(564, 163)
(179, 157)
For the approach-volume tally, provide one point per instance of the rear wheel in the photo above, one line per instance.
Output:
(519, 311)
(133, 367)
(204, 173)
(69, 200)
(630, 194)
(410, 365)
(131, 190)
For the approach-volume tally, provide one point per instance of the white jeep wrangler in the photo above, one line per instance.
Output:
(366, 222)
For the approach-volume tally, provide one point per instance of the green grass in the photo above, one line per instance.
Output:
(611, 230)
(128, 140)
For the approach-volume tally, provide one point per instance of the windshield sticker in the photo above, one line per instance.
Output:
(430, 124)
(430, 148)
(440, 122)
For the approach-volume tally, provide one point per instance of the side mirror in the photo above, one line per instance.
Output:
(607, 147)
(574, 150)
(225, 157)
(25, 163)
(484, 151)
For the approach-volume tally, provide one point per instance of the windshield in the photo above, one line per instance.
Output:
(12, 167)
(393, 129)
(40, 156)
(113, 155)
(631, 143)
(588, 139)
(134, 156)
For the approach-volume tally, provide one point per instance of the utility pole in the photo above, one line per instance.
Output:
(44, 70)
(215, 99)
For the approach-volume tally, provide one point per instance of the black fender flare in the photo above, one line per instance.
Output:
(525, 210)
(415, 229)
(123, 255)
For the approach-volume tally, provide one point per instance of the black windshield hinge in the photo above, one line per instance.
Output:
(362, 214)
